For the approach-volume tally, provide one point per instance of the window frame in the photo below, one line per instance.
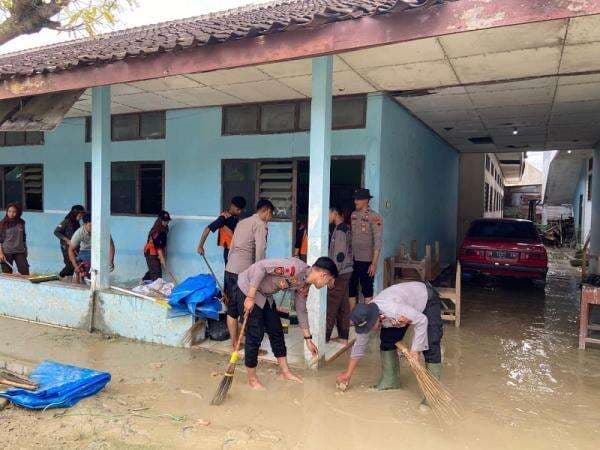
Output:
(294, 214)
(296, 128)
(25, 136)
(139, 137)
(23, 201)
(138, 186)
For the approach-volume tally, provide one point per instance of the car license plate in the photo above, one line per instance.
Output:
(503, 254)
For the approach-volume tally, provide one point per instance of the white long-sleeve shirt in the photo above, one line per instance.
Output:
(403, 299)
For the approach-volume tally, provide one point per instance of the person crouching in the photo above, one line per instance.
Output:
(254, 292)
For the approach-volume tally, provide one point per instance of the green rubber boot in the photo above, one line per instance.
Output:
(436, 370)
(390, 369)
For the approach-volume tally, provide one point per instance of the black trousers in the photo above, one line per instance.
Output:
(19, 259)
(263, 320)
(435, 330)
(236, 297)
(360, 274)
(154, 268)
(68, 270)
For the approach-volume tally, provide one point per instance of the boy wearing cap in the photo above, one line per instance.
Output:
(64, 232)
(392, 310)
(155, 250)
(225, 224)
(254, 293)
(367, 228)
(80, 249)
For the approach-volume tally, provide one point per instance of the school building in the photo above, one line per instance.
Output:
(300, 102)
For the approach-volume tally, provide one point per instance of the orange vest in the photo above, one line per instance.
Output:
(149, 248)
(304, 244)
(225, 236)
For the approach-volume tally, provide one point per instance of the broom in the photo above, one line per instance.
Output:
(439, 399)
(227, 380)
(190, 335)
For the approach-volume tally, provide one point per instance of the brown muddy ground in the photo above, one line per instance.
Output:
(513, 365)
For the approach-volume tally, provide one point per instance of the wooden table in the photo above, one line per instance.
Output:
(590, 295)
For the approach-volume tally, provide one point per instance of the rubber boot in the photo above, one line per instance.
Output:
(436, 370)
(390, 369)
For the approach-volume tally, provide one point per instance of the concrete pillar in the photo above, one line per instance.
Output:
(594, 250)
(100, 186)
(318, 193)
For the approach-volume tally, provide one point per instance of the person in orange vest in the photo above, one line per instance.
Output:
(301, 245)
(155, 249)
(225, 225)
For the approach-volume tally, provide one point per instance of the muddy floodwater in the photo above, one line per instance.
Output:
(513, 365)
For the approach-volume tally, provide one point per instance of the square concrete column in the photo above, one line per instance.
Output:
(594, 250)
(318, 192)
(100, 186)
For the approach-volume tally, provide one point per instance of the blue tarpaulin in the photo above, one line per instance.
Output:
(198, 296)
(59, 386)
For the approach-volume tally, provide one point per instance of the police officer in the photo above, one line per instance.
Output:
(225, 224)
(367, 228)
(393, 309)
(254, 292)
(248, 245)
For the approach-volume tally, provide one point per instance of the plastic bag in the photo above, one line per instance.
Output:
(60, 386)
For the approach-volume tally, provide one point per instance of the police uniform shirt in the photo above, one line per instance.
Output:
(270, 276)
(367, 228)
(249, 244)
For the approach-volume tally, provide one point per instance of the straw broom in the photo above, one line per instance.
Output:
(227, 380)
(190, 335)
(439, 399)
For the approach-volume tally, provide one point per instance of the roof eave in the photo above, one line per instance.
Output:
(337, 37)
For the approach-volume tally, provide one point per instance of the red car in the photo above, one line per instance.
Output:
(504, 247)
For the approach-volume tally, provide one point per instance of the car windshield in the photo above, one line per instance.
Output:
(504, 230)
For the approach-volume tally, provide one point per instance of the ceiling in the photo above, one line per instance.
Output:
(541, 80)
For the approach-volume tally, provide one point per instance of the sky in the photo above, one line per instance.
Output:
(536, 159)
(146, 12)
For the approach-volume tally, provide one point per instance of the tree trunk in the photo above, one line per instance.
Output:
(28, 17)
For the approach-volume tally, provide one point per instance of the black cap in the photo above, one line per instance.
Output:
(364, 316)
(327, 264)
(362, 194)
(87, 218)
(77, 208)
(164, 215)
(239, 201)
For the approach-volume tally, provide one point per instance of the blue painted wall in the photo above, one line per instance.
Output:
(419, 179)
(192, 151)
(581, 189)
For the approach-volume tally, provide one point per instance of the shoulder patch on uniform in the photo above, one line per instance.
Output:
(279, 271)
(376, 219)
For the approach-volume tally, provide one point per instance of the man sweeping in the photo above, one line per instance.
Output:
(392, 311)
(254, 292)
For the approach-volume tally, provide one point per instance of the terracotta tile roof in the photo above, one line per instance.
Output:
(254, 20)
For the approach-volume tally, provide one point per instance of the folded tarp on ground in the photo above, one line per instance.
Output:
(198, 296)
(60, 386)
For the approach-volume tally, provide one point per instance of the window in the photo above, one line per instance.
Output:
(15, 138)
(293, 116)
(135, 187)
(503, 229)
(130, 127)
(22, 184)
(486, 196)
(487, 163)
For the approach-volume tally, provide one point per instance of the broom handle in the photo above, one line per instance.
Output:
(216, 279)
(242, 333)
(402, 348)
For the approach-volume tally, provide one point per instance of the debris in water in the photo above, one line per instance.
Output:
(342, 386)
(203, 422)
(195, 394)
(156, 365)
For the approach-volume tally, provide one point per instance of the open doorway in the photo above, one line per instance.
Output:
(347, 174)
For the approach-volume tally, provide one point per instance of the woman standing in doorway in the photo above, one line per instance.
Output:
(64, 232)
(13, 243)
(155, 249)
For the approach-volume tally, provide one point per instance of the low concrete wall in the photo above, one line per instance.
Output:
(139, 319)
(51, 303)
(56, 303)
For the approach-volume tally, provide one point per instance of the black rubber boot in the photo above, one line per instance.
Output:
(390, 370)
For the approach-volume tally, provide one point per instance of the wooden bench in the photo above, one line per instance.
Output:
(590, 295)
(452, 312)
(403, 267)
